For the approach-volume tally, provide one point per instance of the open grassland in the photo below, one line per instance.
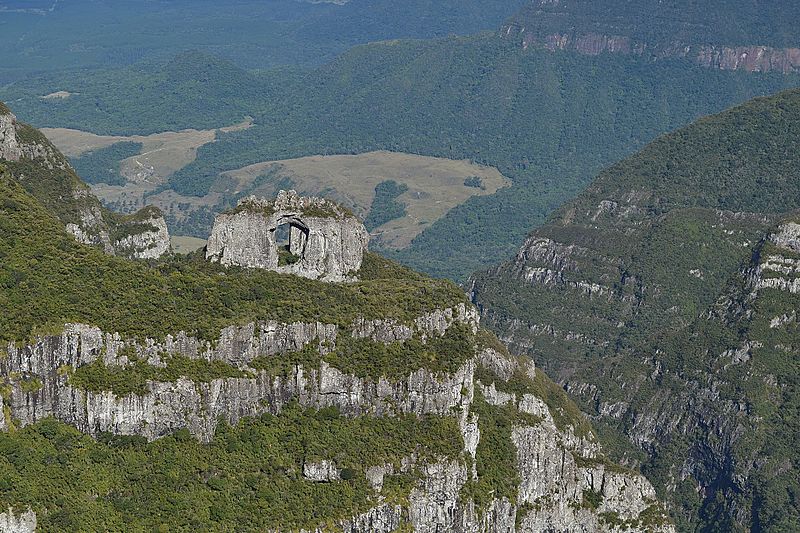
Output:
(185, 245)
(162, 153)
(434, 185)
(431, 186)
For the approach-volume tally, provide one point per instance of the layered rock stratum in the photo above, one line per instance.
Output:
(719, 35)
(558, 465)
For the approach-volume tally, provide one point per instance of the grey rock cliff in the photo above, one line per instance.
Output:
(150, 243)
(324, 241)
(555, 466)
(9, 145)
(84, 218)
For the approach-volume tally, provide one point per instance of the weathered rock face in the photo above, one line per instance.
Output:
(167, 407)
(567, 25)
(555, 466)
(20, 141)
(747, 58)
(143, 235)
(322, 471)
(149, 238)
(787, 236)
(9, 145)
(13, 523)
(91, 227)
(324, 241)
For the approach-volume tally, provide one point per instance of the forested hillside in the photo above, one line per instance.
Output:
(548, 121)
(663, 298)
(42, 36)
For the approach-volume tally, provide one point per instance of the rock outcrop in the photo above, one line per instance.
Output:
(11, 522)
(9, 145)
(142, 235)
(324, 240)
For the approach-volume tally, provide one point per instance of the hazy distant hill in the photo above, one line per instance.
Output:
(254, 33)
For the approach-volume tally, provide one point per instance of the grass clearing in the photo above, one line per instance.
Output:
(435, 185)
(186, 245)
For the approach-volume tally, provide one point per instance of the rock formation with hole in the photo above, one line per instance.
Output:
(325, 241)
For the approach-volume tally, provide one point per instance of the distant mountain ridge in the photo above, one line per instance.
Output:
(750, 36)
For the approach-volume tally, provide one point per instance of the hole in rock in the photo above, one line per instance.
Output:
(291, 237)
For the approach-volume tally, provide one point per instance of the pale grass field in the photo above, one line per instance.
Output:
(435, 185)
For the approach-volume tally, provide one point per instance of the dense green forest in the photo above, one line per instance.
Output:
(254, 33)
(103, 165)
(385, 206)
(654, 294)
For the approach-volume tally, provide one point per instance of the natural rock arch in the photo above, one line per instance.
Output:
(325, 241)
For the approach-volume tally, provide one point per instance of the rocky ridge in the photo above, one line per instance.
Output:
(633, 30)
(557, 467)
(12, 522)
(751, 58)
(56, 185)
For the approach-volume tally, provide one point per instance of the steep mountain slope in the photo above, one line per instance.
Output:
(747, 35)
(644, 297)
(181, 394)
(46, 174)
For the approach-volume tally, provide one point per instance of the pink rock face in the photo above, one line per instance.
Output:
(589, 44)
(748, 58)
(595, 44)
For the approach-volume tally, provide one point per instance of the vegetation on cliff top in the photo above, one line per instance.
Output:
(250, 475)
(47, 279)
(103, 165)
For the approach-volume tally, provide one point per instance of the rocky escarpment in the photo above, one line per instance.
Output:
(563, 482)
(168, 406)
(143, 235)
(47, 174)
(663, 298)
(324, 241)
(752, 58)
(683, 32)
